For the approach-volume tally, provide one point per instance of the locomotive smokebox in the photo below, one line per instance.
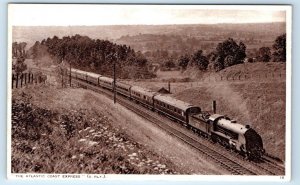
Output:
(214, 106)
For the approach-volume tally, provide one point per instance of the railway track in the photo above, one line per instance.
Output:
(267, 166)
(271, 166)
(230, 165)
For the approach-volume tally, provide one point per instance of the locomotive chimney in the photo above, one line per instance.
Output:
(169, 87)
(214, 106)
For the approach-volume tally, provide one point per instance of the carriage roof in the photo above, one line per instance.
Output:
(124, 85)
(173, 102)
(106, 79)
(143, 91)
(94, 75)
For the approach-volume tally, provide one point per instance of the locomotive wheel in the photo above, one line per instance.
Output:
(214, 139)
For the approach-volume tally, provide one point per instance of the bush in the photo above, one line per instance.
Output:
(279, 54)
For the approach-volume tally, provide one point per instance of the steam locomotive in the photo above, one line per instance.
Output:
(219, 128)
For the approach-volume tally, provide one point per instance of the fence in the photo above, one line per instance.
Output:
(243, 77)
(20, 80)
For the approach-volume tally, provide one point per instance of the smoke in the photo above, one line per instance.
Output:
(231, 101)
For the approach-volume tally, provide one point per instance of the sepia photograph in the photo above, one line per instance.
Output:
(118, 91)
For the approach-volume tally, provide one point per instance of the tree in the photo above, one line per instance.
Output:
(229, 53)
(169, 63)
(22, 47)
(20, 65)
(199, 60)
(218, 64)
(184, 61)
(279, 54)
(14, 49)
(228, 61)
(264, 54)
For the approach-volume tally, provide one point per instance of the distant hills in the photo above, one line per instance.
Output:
(265, 31)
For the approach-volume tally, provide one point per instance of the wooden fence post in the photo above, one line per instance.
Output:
(21, 79)
(17, 80)
(25, 76)
(12, 81)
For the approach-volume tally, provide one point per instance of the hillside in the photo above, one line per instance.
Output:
(250, 71)
(257, 100)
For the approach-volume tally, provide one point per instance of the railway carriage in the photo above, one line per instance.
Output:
(123, 89)
(93, 78)
(143, 96)
(176, 109)
(106, 82)
(73, 73)
(78, 74)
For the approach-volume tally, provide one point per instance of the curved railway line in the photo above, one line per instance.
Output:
(233, 163)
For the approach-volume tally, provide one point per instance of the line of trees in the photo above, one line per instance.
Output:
(97, 55)
(230, 53)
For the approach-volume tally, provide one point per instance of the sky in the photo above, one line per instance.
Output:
(68, 15)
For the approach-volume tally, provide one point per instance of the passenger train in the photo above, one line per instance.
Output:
(218, 128)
